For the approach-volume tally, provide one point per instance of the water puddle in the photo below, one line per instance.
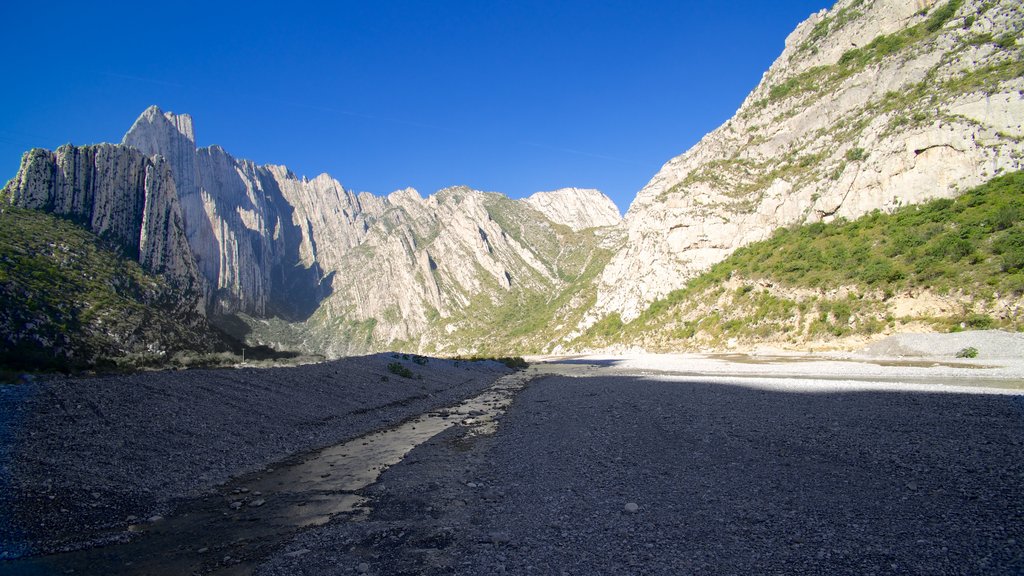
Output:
(228, 532)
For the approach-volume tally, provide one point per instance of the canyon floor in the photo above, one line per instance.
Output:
(901, 459)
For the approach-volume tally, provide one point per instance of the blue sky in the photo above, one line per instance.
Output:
(509, 96)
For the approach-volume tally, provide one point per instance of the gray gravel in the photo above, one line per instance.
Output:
(990, 344)
(727, 478)
(81, 459)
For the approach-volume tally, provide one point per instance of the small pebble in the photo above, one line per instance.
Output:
(257, 503)
(363, 568)
(631, 507)
(236, 505)
(297, 553)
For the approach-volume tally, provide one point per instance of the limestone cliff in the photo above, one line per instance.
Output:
(312, 265)
(872, 105)
(95, 267)
(577, 208)
(230, 217)
(450, 272)
(120, 195)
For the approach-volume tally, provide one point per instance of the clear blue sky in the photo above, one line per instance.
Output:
(510, 96)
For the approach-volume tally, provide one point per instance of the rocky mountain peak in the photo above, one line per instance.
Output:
(577, 208)
(155, 123)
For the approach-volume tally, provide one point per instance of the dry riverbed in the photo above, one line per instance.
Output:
(84, 460)
(873, 463)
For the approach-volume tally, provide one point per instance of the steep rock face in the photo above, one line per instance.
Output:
(426, 269)
(577, 208)
(872, 105)
(349, 273)
(249, 226)
(120, 195)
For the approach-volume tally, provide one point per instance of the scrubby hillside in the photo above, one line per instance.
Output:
(944, 265)
(873, 104)
(69, 299)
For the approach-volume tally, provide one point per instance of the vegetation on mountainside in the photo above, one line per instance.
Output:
(69, 301)
(534, 312)
(549, 286)
(741, 180)
(821, 281)
(856, 59)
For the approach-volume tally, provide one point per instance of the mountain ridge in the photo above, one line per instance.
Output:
(307, 264)
(872, 105)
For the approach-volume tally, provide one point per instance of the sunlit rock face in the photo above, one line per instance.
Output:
(872, 105)
(577, 208)
(360, 271)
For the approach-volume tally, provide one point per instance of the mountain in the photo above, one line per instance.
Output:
(945, 265)
(274, 259)
(308, 264)
(871, 105)
(112, 277)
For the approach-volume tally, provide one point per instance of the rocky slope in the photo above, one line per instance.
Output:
(460, 271)
(577, 208)
(306, 264)
(72, 300)
(945, 265)
(873, 104)
(120, 195)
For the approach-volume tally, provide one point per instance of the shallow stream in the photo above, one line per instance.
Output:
(228, 531)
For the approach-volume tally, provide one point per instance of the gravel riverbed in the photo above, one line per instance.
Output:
(83, 458)
(596, 469)
(640, 464)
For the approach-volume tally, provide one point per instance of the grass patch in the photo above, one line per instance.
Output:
(69, 300)
(971, 246)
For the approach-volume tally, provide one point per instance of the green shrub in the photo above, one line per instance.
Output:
(1006, 41)
(399, 370)
(514, 362)
(856, 154)
(969, 352)
(979, 321)
(942, 15)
